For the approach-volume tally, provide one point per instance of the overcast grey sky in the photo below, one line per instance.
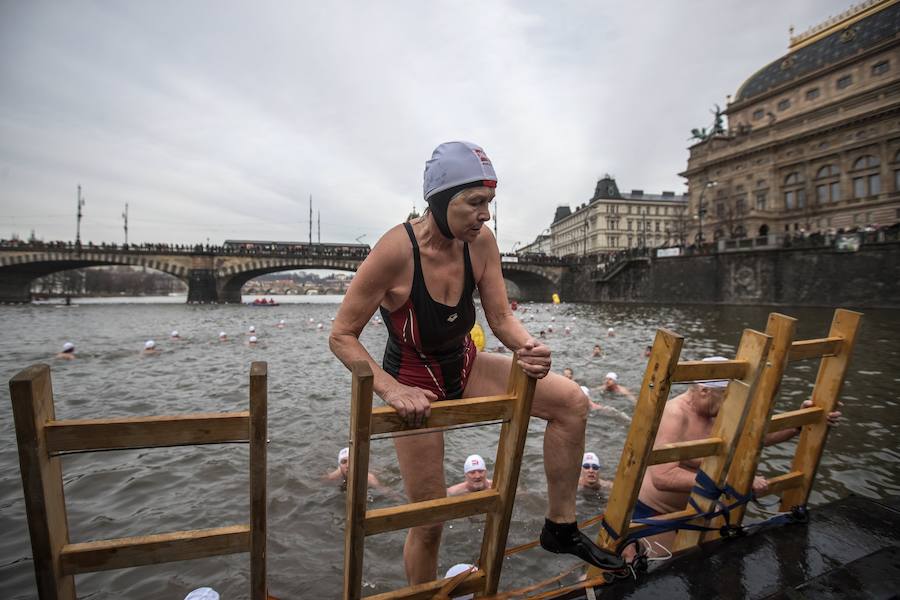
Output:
(219, 119)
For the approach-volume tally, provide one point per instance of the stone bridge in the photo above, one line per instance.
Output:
(215, 274)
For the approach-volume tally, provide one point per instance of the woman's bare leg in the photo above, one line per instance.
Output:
(421, 459)
(561, 403)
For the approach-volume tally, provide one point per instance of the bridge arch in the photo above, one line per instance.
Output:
(230, 278)
(536, 283)
(19, 270)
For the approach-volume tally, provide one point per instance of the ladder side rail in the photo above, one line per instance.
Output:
(754, 347)
(31, 393)
(638, 446)
(750, 443)
(825, 394)
(357, 478)
(258, 479)
(506, 476)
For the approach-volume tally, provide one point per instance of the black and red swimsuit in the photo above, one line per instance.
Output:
(428, 344)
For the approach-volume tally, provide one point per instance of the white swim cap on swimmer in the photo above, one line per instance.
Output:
(612, 376)
(474, 463)
(174, 333)
(456, 163)
(252, 329)
(149, 345)
(204, 593)
(281, 322)
(590, 458)
(610, 330)
(68, 347)
(715, 383)
(344, 453)
(586, 391)
(456, 570)
(253, 339)
(222, 334)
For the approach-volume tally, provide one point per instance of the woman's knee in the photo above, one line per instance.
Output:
(576, 402)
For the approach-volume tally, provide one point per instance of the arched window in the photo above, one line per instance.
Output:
(866, 178)
(828, 184)
(794, 191)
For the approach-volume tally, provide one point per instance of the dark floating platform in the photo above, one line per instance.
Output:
(849, 549)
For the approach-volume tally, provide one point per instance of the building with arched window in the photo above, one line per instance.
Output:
(813, 138)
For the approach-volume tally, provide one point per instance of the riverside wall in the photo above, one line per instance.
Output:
(869, 277)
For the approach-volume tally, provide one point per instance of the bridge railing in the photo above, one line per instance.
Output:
(315, 251)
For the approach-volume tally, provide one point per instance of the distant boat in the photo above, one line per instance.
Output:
(263, 302)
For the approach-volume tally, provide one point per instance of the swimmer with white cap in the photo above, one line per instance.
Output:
(590, 474)
(251, 330)
(339, 475)
(280, 324)
(458, 570)
(252, 341)
(67, 352)
(174, 335)
(604, 408)
(223, 337)
(611, 385)
(610, 332)
(150, 348)
(204, 593)
(475, 474)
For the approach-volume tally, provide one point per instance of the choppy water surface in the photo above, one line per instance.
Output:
(125, 493)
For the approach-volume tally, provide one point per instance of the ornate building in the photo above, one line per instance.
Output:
(612, 221)
(813, 138)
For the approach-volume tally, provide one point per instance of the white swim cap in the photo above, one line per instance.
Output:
(344, 453)
(610, 330)
(281, 322)
(715, 383)
(204, 593)
(253, 339)
(612, 376)
(68, 347)
(585, 391)
(456, 570)
(252, 329)
(222, 334)
(474, 463)
(149, 345)
(174, 333)
(590, 458)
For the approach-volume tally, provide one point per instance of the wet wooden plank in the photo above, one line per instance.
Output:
(804, 349)
(414, 514)
(447, 413)
(684, 450)
(698, 370)
(795, 418)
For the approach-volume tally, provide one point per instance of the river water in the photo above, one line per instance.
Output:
(125, 493)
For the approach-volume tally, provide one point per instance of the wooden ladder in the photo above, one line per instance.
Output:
(834, 353)
(42, 439)
(512, 408)
(664, 369)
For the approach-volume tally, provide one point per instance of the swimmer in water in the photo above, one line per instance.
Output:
(647, 351)
(475, 477)
(252, 341)
(603, 408)
(339, 475)
(611, 384)
(174, 335)
(568, 373)
(610, 332)
(597, 351)
(251, 331)
(150, 348)
(280, 324)
(223, 337)
(456, 570)
(68, 352)
(590, 474)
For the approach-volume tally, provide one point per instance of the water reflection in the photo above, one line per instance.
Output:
(138, 492)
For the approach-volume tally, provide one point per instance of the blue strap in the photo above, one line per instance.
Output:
(612, 532)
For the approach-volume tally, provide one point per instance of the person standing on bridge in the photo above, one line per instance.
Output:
(422, 275)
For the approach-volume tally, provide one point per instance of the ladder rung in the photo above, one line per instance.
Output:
(119, 553)
(426, 591)
(784, 482)
(86, 435)
(438, 510)
(698, 370)
(814, 348)
(795, 418)
(685, 450)
(447, 413)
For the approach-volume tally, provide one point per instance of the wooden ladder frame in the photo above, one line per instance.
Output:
(42, 439)
(834, 353)
(664, 369)
(513, 408)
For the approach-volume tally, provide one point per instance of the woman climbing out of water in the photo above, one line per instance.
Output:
(422, 275)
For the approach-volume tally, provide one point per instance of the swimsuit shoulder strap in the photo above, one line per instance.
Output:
(470, 273)
(418, 277)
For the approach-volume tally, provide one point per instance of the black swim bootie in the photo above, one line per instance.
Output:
(566, 538)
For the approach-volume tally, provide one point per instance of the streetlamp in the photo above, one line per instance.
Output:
(78, 220)
(514, 247)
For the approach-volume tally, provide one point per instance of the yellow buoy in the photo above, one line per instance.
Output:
(555, 298)
(477, 334)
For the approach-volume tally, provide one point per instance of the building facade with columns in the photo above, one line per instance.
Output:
(611, 221)
(813, 138)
